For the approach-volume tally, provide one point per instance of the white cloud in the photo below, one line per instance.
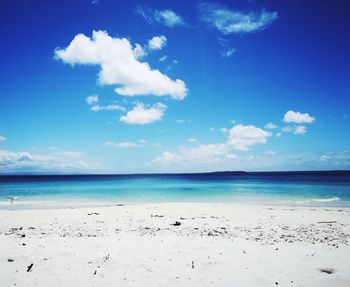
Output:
(192, 140)
(242, 137)
(269, 152)
(300, 130)
(59, 161)
(287, 129)
(336, 158)
(167, 158)
(92, 99)
(113, 107)
(2, 138)
(270, 126)
(227, 53)
(140, 115)
(125, 144)
(269, 160)
(162, 59)
(202, 153)
(231, 156)
(93, 102)
(67, 153)
(166, 17)
(224, 130)
(139, 52)
(297, 118)
(182, 121)
(235, 22)
(157, 42)
(119, 66)
(173, 62)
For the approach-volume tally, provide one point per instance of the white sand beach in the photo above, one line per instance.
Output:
(176, 244)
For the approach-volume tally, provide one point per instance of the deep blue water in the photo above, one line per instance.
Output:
(286, 188)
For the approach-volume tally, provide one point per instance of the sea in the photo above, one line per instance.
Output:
(323, 188)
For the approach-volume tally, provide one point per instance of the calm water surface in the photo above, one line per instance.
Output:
(301, 188)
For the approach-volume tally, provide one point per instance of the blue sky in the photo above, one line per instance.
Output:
(174, 86)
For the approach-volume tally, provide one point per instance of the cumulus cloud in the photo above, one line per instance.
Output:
(298, 118)
(235, 22)
(224, 130)
(167, 158)
(202, 153)
(2, 138)
(269, 160)
(287, 129)
(59, 161)
(92, 99)
(242, 137)
(270, 126)
(119, 66)
(140, 115)
(192, 140)
(157, 42)
(139, 52)
(300, 130)
(166, 17)
(140, 143)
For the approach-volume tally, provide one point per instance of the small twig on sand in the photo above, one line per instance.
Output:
(29, 268)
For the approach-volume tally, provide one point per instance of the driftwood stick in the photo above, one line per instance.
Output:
(29, 268)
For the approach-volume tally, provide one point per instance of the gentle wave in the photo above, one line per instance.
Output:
(312, 200)
(18, 202)
(330, 199)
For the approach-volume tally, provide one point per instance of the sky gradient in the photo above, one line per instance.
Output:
(174, 86)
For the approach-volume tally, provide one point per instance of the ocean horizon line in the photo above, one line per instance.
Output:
(226, 172)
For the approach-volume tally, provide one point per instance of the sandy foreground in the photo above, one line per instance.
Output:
(176, 244)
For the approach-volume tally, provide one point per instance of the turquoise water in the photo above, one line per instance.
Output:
(324, 189)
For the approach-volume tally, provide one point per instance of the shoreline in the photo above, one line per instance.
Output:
(89, 203)
(176, 244)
